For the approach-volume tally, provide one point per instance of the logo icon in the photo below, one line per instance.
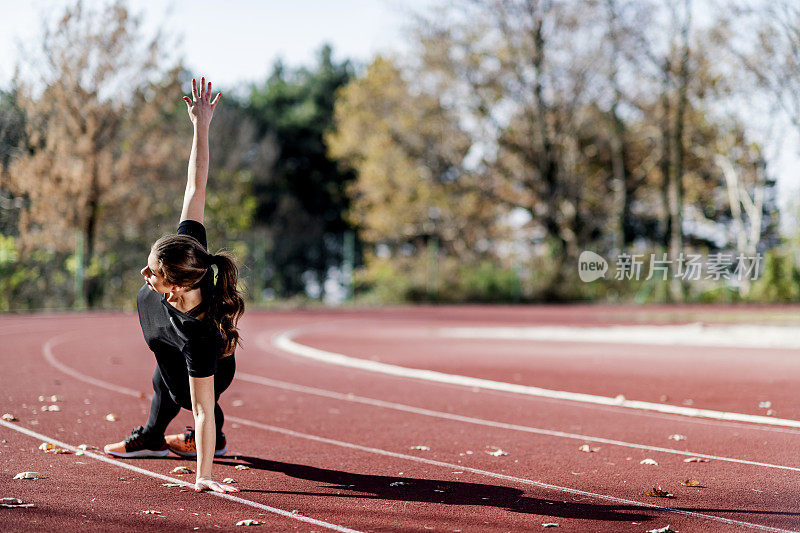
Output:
(591, 266)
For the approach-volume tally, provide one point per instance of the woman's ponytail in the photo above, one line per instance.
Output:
(227, 305)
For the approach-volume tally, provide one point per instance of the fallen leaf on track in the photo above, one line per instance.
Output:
(677, 437)
(13, 502)
(111, 417)
(648, 462)
(9, 417)
(696, 460)
(181, 470)
(86, 447)
(659, 493)
(665, 529)
(248, 523)
(30, 475)
(420, 447)
(691, 483)
(496, 452)
(229, 480)
(241, 467)
(48, 447)
(586, 448)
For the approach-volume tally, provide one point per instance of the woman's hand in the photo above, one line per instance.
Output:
(200, 106)
(203, 483)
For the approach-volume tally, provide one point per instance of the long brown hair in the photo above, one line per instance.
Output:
(183, 261)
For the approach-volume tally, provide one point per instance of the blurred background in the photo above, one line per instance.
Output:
(380, 152)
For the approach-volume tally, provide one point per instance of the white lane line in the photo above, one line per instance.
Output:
(268, 347)
(120, 464)
(252, 378)
(285, 342)
(451, 466)
(738, 336)
(47, 351)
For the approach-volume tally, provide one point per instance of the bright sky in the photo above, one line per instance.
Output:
(238, 40)
(233, 42)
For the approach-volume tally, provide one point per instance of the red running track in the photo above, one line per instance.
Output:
(334, 448)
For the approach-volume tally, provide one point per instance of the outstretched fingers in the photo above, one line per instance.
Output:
(201, 95)
(208, 484)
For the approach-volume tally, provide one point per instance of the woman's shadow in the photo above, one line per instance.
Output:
(437, 491)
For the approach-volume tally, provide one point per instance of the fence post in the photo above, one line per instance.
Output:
(80, 274)
(348, 260)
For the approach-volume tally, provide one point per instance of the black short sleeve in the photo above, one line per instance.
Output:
(194, 229)
(201, 356)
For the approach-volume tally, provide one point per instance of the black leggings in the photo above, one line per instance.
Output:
(164, 408)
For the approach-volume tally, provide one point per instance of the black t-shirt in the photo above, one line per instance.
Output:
(181, 343)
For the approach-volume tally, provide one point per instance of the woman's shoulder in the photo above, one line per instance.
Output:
(195, 229)
(147, 296)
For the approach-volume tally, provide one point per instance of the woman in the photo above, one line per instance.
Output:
(189, 323)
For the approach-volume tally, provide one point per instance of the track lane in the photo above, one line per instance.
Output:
(314, 422)
(315, 417)
(589, 510)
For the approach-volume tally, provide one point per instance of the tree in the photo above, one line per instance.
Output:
(12, 138)
(300, 206)
(499, 64)
(96, 137)
(407, 150)
(603, 133)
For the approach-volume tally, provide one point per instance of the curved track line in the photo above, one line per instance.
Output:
(47, 351)
(740, 336)
(451, 466)
(252, 378)
(268, 347)
(285, 342)
(156, 475)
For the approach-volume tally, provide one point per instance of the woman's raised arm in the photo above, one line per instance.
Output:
(201, 110)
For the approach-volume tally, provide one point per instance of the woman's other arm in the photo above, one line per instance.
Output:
(205, 433)
(201, 110)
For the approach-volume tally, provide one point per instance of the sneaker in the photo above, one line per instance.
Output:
(183, 444)
(138, 444)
